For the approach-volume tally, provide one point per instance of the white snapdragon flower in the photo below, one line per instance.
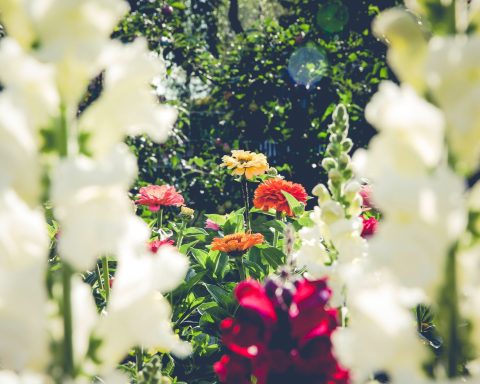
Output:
(454, 81)
(126, 105)
(410, 121)
(23, 233)
(17, 21)
(95, 214)
(30, 84)
(87, 23)
(379, 320)
(138, 314)
(408, 45)
(10, 377)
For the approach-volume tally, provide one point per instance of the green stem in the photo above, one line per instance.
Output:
(138, 359)
(100, 280)
(62, 133)
(106, 277)
(451, 315)
(159, 220)
(180, 234)
(68, 364)
(240, 267)
(276, 233)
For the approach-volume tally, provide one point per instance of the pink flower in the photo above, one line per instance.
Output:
(369, 226)
(210, 224)
(156, 196)
(366, 193)
(155, 245)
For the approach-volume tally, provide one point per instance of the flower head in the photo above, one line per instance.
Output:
(246, 163)
(156, 196)
(155, 245)
(281, 334)
(366, 193)
(210, 224)
(187, 212)
(269, 195)
(236, 243)
(369, 226)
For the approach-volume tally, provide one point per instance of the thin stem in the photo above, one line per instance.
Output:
(68, 364)
(138, 359)
(180, 234)
(276, 233)
(240, 267)
(100, 280)
(451, 313)
(159, 220)
(247, 203)
(106, 278)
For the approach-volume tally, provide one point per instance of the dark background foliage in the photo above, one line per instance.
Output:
(228, 73)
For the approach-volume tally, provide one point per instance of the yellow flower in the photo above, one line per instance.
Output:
(185, 211)
(246, 163)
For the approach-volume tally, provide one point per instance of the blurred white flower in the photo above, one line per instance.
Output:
(95, 214)
(138, 315)
(407, 45)
(381, 335)
(410, 121)
(29, 83)
(126, 105)
(23, 234)
(10, 377)
(23, 323)
(19, 163)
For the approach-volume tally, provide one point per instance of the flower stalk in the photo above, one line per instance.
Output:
(106, 277)
(68, 364)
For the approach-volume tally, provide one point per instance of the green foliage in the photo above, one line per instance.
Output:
(228, 73)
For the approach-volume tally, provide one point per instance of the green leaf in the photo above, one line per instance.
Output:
(200, 256)
(217, 219)
(274, 256)
(220, 295)
(179, 5)
(221, 265)
(297, 207)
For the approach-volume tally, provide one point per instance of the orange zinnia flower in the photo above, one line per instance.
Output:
(269, 195)
(237, 243)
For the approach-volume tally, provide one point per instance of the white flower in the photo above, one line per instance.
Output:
(126, 105)
(17, 21)
(10, 377)
(72, 34)
(381, 335)
(29, 83)
(138, 315)
(95, 214)
(408, 45)
(409, 120)
(84, 318)
(23, 328)
(453, 77)
(23, 233)
(19, 163)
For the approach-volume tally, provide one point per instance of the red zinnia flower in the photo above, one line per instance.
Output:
(155, 245)
(369, 226)
(269, 195)
(156, 196)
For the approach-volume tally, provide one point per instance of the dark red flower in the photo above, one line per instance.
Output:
(281, 334)
(233, 369)
(369, 226)
(155, 245)
(251, 295)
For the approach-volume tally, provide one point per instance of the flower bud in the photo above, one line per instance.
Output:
(335, 177)
(343, 161)
(347, 145)
(187, 212)
(328, 163)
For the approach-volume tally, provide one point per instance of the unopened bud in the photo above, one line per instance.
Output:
(328, 163)
(187, 212)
